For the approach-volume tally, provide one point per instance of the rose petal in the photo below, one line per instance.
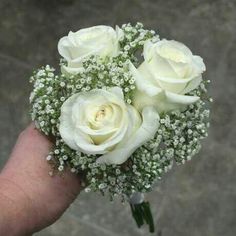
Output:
(67, 71)
(66, 127)
(198, 61)
(117, 91)
(126, 148)
(143, 84)
(192, 85)
(181, 99)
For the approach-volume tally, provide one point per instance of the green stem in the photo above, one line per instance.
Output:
(142, 214)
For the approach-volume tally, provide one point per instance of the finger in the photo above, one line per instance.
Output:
(32, 138)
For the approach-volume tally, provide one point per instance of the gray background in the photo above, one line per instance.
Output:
(198, 198)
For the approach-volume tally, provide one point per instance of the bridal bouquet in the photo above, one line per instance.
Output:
(125, 107)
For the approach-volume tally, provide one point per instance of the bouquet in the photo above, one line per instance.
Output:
(125, 106)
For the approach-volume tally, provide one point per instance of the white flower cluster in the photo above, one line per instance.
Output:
(120, 120)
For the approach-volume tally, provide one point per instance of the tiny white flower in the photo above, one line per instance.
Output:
(62, 84)
(49, 157)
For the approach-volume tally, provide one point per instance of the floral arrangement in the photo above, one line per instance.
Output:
(125, 107)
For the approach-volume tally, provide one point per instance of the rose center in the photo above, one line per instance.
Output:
(100, 114)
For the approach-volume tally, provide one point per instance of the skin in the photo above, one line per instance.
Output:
(30, 199)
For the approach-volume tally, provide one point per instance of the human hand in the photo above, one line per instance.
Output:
(30, 199)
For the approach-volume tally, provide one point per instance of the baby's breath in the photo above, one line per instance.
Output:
(177, 140)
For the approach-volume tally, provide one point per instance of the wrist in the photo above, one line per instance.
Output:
(16, 209)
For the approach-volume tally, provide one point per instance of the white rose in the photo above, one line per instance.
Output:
(100, 122)
(168, 72)
(98, 40)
